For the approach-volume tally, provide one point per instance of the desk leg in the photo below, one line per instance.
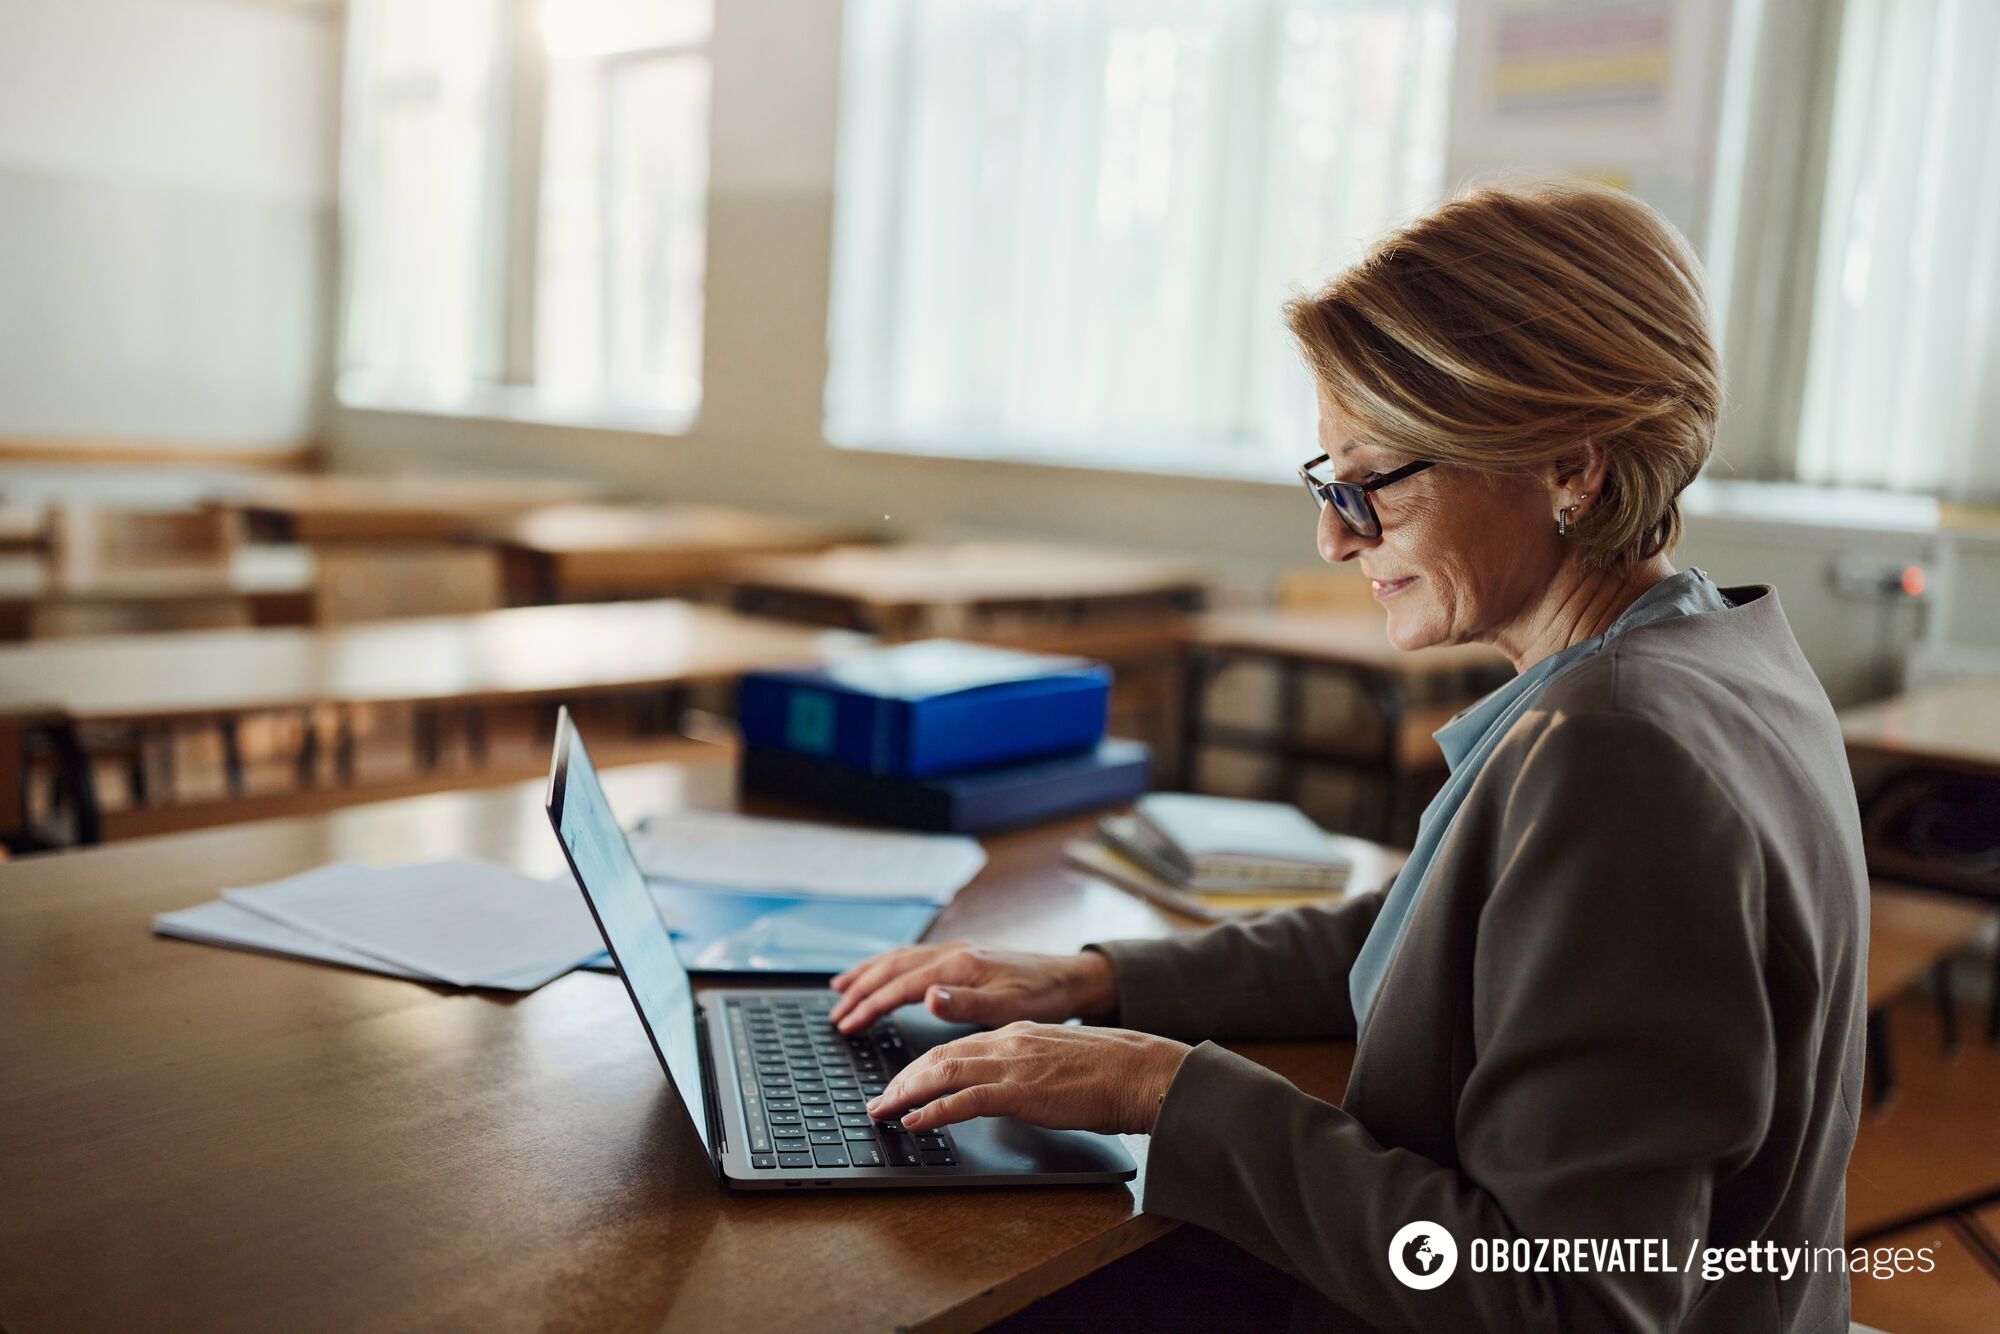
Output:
(77, 781)
(1195, 671)
(1993, 1003)
(475, 735)
(344, 745)
(307, 760)
(1291, 721)
(232, 754)
(1881, 1071)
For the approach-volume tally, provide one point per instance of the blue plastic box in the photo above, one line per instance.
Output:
(929, 708)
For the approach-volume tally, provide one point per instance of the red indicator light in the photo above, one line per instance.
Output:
(1913, 581)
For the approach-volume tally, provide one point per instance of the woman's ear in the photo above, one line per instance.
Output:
(1578, 474)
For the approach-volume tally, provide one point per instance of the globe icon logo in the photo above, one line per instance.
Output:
(1422, 1255)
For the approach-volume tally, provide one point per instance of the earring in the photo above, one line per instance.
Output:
(1565, 518)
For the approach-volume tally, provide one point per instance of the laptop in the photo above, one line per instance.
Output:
(776, 1093)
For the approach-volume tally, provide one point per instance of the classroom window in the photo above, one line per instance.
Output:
(524, 202)
(1065, 230)
(1905, 330)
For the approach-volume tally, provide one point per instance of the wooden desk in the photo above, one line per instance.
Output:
(1953, 726)
(1349, 644)
(23, 526)
(525, 653)
(908, 590)
(364, 507)
(1913, 749)
(580, 553)
(254, 585)
(200, 1138)
(114, 690)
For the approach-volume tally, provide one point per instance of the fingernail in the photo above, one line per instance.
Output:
(944, 997)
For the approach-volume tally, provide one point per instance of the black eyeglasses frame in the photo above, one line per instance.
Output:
(1350, 499)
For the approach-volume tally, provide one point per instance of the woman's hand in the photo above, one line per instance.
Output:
(970, 984)
(1068, 1078)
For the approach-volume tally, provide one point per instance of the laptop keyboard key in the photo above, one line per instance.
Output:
(864, 1155)
(795, 1160)
(830, 1155)
(822, 1123)
(940, 1158)
(899, 1150)
(858, 1132)
(763, 1160)
(823, 1136)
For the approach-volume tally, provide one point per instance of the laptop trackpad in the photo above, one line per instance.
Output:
(1002, 1144)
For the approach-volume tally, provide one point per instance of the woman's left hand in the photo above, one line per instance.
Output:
(1062, 1076)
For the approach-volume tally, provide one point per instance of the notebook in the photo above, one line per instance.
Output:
(1219, 844)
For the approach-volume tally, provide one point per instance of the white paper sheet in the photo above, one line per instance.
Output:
(462, 922)
(220, 923)
(721, 850)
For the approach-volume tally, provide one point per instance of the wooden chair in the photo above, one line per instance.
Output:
(366, 582)
(89, 537)
(1912, 933)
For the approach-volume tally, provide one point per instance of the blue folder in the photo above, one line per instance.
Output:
(928, 708)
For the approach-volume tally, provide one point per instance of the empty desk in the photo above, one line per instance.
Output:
(581, 553)
(363, 507)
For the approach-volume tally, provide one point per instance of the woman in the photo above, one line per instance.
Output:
(1617, 990)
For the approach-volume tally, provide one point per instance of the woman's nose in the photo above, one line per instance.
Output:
(1338, 542)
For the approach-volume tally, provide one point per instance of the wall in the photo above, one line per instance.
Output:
(166, 219)
(758, 440)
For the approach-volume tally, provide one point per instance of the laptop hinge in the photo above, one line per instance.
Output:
(711, 1098)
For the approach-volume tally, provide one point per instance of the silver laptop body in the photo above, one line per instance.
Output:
(773, 1091)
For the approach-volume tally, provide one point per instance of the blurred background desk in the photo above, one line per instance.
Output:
(1385, 742)
(249, 586)
(580, 553)
(126, 696)
(330, 507)
(356, 1151)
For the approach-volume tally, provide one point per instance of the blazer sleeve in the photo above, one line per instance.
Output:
(1280, 975)
(1624, 1059)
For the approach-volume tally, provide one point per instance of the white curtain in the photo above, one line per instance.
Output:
(1903, 375)
(1065, 227)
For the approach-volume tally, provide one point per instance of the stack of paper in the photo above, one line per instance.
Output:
(721, 850)
(463, 923)
(744, 894)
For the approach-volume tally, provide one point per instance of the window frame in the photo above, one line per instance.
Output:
(504, 329)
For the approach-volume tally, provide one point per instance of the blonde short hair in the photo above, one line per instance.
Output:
(1507, 326)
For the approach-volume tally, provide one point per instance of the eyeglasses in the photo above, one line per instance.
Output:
(1350, 499)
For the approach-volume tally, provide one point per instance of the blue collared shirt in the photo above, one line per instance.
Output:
(1470, 737)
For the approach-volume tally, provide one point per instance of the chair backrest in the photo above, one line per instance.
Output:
(372, 583)
(97, 537)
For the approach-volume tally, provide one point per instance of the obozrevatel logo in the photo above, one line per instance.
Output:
(1422, 1255)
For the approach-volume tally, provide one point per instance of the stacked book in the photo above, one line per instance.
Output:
(939, 735)
(1218, 857)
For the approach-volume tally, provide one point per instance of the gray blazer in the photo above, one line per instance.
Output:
(1629, 1003)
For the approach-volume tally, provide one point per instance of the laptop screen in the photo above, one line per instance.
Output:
(638, 940)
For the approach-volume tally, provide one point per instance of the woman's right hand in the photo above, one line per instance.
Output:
(970, 984)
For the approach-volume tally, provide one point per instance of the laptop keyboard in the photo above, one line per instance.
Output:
(806, 1087)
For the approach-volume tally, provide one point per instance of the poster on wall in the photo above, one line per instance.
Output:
(1566, 55)
(1627, 92)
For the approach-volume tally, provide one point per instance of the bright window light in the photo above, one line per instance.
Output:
(524, 207)
(1065, 230)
